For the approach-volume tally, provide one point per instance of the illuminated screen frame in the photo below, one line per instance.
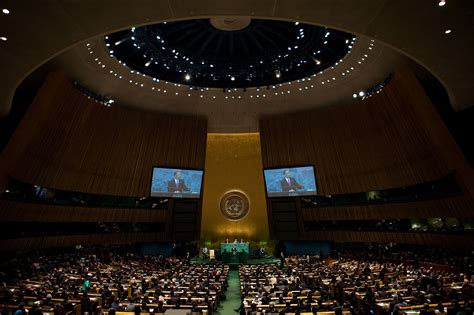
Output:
(174, 195)
(286, 195)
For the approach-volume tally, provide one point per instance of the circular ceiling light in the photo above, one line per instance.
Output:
(239, 57)
(6, 11)
(3, 38)
(447, 32)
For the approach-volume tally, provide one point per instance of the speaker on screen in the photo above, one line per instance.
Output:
(290, 181)
(176, 182)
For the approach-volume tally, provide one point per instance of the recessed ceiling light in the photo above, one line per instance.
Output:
(3, 38)
(442, 3)
(6, 11)
(447, 31)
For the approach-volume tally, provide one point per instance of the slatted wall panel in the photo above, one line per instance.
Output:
(70, 142)
(458, 207)
(71, 240)
(393, 139)
(33, 212)
(67, 141)
(440, 240)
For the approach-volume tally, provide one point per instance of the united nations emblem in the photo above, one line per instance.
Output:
(234, 205)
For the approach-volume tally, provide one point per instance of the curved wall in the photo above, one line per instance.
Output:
(395, 138)
(67, 141)
(392, 139)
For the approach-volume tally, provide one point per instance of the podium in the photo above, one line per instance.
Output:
(235, 247)
(235, 252)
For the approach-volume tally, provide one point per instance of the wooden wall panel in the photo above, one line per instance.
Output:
(36, 212)
(439, 240)
(459, 207)
(72, 240)
(70, 142)
(67, 141)
(392, 139)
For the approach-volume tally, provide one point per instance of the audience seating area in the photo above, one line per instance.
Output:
(269, 288)
(118, 281)
(382, 287)
(310, 285)
(99, 281)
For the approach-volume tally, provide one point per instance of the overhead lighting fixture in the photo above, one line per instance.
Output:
(119, 42)
(361, 93)
(442, 3)
(447, 32)
(6, 11)
(246, 76)
(3, 38)
(354, 95)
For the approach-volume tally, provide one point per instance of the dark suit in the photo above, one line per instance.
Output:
(181, 187)
(285, 186)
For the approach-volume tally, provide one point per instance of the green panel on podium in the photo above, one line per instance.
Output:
(235, 247)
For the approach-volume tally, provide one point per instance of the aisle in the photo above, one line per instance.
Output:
(232, 295)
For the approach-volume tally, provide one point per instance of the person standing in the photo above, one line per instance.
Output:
(282, 260)
(176, 184)
(288, 183)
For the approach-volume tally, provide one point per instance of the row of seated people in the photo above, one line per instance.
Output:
(313, 285)
(409, 253)
(370, 286)
(96, 281)
(267, 288)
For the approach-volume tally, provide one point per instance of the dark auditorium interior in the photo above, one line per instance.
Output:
(284, 157)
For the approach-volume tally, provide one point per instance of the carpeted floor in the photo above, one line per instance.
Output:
(232, 294)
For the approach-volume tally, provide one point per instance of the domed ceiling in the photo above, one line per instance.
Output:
(54, 37)
(229, 52)
(231, 70)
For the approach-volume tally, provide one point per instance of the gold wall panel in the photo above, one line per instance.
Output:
(234, 162)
